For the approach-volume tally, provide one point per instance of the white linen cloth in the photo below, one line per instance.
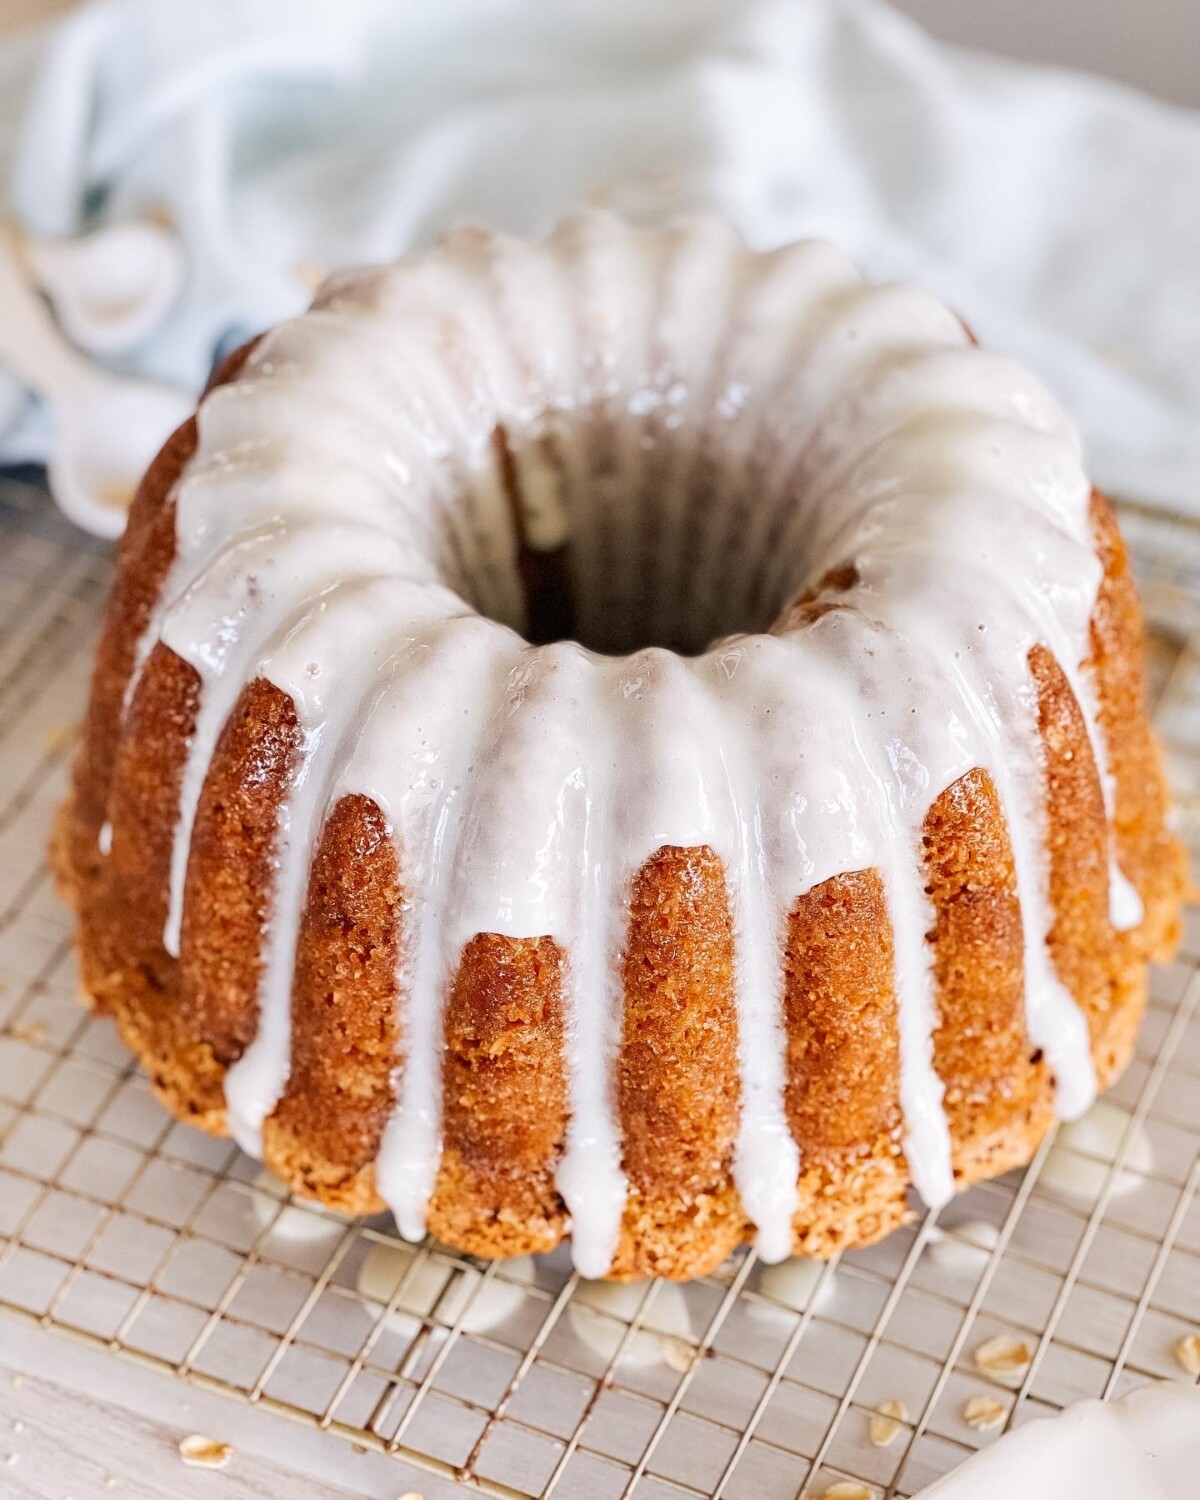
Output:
(1144, 1447)
(1060, 215)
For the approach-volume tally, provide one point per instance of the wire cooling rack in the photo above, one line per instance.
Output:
(128, 1231)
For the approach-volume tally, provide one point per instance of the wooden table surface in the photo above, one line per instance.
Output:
(76, 1424)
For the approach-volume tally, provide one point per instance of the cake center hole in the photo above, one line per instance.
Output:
(631, 536)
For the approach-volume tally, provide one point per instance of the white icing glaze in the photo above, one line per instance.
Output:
(796, 1283)
(600, 1312)
(1145, 1447)
(712, 431)
(963, 1252)
(425, 1284)
(1078, 1163)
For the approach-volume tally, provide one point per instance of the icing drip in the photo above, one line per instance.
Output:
(712, 433)
(430, 738)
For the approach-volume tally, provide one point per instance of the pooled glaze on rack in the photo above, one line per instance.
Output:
(711, 434)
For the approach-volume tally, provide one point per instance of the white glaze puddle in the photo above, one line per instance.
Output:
(1078, 1163)
(599, 1313)
(964, 1252)
(794, 1284)
(713, 432)
(425, 1287)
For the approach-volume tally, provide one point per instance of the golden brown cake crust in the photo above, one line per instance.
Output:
(505, 1090)
(842, 1092)
(504, 1099)
(999, 1094)
(677, 1072)
(325, 1132)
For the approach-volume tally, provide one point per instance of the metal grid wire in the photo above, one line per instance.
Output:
(126, 1230)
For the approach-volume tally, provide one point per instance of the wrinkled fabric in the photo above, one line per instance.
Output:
(1060, 215)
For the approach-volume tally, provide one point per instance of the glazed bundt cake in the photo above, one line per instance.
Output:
(829, 864)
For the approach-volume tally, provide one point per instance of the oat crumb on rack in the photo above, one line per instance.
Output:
(677, 1355)
(59, 736)
(848, 1489)
(1187, 1352)
(204, 1452)
(1004, 1358)
(886, 1422)
(983, 1413)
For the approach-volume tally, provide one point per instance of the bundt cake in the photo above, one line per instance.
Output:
(829, 864)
